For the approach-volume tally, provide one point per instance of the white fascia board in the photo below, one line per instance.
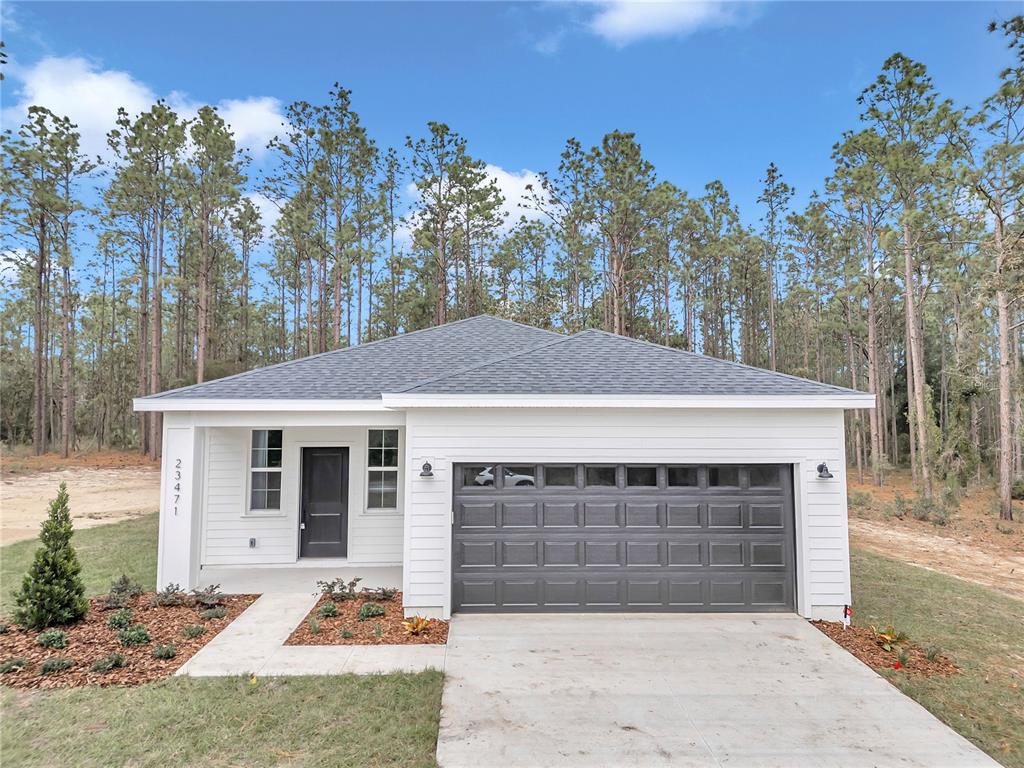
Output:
(211, 404)
(842, 401)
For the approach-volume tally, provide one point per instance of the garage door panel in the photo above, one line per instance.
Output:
(627, 548)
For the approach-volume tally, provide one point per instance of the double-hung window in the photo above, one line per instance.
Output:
(382, 469)
(265, 471)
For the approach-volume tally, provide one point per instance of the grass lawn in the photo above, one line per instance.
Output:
(105, 552)
(374, 720)
(983, 632)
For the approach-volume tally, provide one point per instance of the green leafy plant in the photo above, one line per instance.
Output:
(122, 591)
(889, 639)
(900, 507)
(941, 516)
(120, 619)
(53, 638)
(4, 627)
(52, 592)
(12, 664)
(416, 625)
(136, 635)
(208, 597)
(932, 652)
(902, 657)
(859, 499)
(107, 663)
(370, 611)
(193, 630)
(213, 613)
(55, 664)
(327, 610)
(165, 651)
(380, 593)
(347, 634)
(170, 596)
(339, 590)
(1017, 490)
(378, 630)
(314, 626)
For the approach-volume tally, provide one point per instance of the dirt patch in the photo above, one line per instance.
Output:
(91, 640)
(862, 643)
(18, 462)
(99, 495)
(379, 630)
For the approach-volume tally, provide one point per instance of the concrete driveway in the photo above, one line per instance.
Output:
(679, 690)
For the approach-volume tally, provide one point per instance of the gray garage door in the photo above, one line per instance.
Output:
(575, 537)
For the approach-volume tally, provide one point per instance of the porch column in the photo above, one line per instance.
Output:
(181, 485)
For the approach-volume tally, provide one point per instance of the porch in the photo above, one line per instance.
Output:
(296, 578)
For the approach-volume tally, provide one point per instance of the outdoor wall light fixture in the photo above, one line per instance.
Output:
(823, 472)
(428, 471)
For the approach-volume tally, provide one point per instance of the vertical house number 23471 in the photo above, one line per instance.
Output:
(177, 484)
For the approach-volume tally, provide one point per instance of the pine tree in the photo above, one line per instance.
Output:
(52, 592)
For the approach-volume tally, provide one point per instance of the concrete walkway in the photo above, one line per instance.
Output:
(674, 690)
(254, 644)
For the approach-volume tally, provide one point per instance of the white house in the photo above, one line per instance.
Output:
(508, 468)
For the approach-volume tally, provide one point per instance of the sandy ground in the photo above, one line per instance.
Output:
(98, 496)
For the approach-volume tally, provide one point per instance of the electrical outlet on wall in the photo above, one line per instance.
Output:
(252, 543)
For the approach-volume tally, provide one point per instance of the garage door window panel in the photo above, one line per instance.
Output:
(560, 476)
(723, 477)
(641, 477)
(519, 475)
(683, 477)
(602, 477)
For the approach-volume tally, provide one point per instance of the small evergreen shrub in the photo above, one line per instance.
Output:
(53, 638)
(347, 634)
(327, 610)
(213, 613)
(1017, 490)
(370, 611)
(208, 597)
(932, 652)
(4, 627)
(52, 592)
(12, 664)
(165, 651)
(55, 664)
(170, 596)
(120, 619)
(136, 635)
(859, 499)
(378, 630)
(107, 663)
(314, 626)
(193, 630)
(122, 591)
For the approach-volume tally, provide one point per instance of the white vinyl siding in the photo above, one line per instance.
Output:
(552, 435)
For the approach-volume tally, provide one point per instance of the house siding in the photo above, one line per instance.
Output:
(803, 438)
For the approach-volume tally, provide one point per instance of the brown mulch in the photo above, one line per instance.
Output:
(862, 643)
(91, 639)
(366, 632)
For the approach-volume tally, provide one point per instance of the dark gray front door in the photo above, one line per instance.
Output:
(324, 520)
(575, 537)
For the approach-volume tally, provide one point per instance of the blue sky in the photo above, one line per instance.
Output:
(712, 90)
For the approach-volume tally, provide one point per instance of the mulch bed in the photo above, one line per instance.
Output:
(862, 643)
(379, 630)
(91, 639)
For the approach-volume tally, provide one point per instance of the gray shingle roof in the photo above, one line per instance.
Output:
(487, 355)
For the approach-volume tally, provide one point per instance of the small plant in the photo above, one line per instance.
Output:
(923, 509)
(1017, 490)
(193, 630)
(889, 638)
(941, 516)
(900, 507)
(859, 499)
(12, 664)
(4, 627)
(383, 594)
(137, 635)
(165, 651)
(120, 619)
(107, 663)
(53, 638)
(52, 592)
(370, 611)
(416, 625)
(1007, 529)
(328, 610)
(378, 630)
(902, 658)
(213, 613)
(314, 626)
(208, 597)
(932, 652)
(55, 664)
(347, 634)
(169, 596)
(122, 591)
(338, 589)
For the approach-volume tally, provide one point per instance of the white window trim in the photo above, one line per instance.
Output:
(247, 510)
(397, 469)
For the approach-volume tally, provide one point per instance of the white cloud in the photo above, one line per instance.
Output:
(90, 96)
(512, 185)
(622, 22)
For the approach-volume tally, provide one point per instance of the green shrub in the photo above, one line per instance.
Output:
(327, 610)
(208, 597)
(932, 652)
(941, 516)
(314, 626)
(378, 630)
(347, 634)
(338, 589)
(899, 506)
(165, 651)
(137, 635)
(55, 664)
(370, 610)
(12, 664)
(120, 619)
(52, 592)
(107, 663)
(122, 591)
(4, 627)
(1017, 490)
(903, 657)
(53, 638)
(859, 499)
(169, 596)
(193, 630)
(213, 613)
